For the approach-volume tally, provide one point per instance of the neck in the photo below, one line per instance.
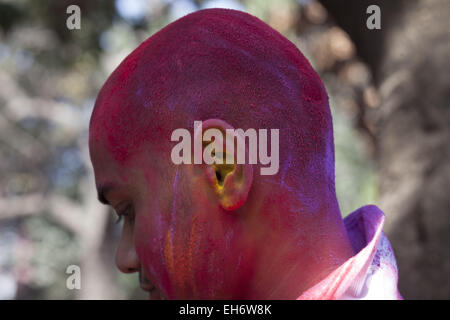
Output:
(295, 247)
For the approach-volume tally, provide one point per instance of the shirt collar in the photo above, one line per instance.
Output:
(364, 228)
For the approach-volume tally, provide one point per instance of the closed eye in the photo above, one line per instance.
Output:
(127, 212)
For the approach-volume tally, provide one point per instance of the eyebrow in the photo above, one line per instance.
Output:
(102, 191)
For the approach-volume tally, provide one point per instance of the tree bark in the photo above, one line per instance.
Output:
(410, 59)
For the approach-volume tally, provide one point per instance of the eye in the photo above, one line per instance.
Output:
(128, 213)
(118, 219)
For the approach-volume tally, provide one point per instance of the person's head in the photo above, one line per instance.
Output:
(219, 230)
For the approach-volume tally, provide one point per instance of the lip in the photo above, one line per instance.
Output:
(147, 287)
(145, 283)
(153, 293)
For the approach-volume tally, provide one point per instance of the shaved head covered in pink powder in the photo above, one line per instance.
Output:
(219, 231)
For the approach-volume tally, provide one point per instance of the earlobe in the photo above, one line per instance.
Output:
(231, 186)
(231, 182)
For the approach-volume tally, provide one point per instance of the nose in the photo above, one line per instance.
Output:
(127, 260)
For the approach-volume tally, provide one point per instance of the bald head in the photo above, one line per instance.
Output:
(226, 65)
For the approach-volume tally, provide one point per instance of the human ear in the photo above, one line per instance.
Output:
(230, 179)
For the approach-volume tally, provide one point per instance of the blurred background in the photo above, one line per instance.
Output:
(389, 93)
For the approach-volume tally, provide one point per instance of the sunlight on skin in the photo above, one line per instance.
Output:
(254, 237)
(194, 249)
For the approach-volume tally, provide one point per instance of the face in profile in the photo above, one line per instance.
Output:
(218, 231)
(176, 225)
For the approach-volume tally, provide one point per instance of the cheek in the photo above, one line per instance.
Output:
(149, 233)
(162, 230)
(182, 239)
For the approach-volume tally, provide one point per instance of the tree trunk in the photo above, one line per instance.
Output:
(410, 61)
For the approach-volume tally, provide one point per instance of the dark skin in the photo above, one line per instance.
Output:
(179, 235)
(214, 231)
